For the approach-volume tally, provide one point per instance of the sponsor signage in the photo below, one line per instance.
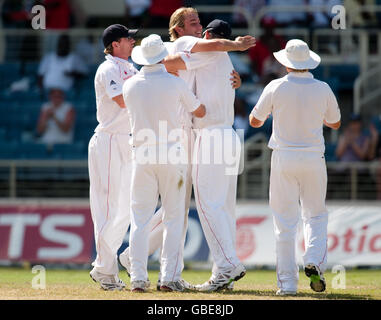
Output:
(45, 233)
(64, 234)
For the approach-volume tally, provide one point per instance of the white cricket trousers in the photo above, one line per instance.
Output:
(110, 174)
(148, 182)
(214, 175)
(157, 227)
(298, 180)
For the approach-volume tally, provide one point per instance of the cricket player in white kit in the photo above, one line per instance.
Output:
(155, 98)
(214, 180)
(186, 32)
(110, 157)
(300, 105)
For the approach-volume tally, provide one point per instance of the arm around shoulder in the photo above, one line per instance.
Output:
(239, 44)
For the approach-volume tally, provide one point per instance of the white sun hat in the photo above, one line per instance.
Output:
(151, 51)
(297, 56)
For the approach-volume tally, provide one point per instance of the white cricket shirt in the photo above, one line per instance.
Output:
(185, 44)
(299, 104)
(154, 96)
(213, 87)
(108, 83)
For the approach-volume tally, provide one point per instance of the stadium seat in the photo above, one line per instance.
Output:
(32, 151)
(73, 151)
(346, 74)
(8, 150)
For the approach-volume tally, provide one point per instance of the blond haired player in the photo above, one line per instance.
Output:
(186, 32)
(109, 156)
(300, 106)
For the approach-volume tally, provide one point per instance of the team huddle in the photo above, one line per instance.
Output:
(161, 131)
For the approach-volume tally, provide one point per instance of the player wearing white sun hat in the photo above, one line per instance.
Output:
(155, 96)
(300, 106)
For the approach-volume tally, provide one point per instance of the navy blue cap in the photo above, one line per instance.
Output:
(220, 28)
(115, 32)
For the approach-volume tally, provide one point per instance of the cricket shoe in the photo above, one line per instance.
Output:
(208, 286)
(124, 261)
(181, 284)
(139, 286)
(107, 282)
(313, 272)
(223, 280)
(282, 292)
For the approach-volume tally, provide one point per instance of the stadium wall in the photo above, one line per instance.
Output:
(61, 232)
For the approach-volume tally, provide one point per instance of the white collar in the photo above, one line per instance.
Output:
(307, 75)
(153, 68)
(116, 59)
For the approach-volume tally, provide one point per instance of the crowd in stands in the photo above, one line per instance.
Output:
(55, 75)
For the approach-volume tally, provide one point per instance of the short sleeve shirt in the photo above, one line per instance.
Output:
(54, 67)
(154, 97)
(109, 80)
(299, 104)
(185, 44)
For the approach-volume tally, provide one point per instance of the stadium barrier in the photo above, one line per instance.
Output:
(61, 232)
(69, 178)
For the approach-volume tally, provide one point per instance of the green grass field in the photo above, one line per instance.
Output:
(16, 283)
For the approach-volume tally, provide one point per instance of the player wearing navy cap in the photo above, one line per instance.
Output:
(110, 156)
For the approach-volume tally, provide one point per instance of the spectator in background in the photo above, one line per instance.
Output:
(137, 13)
(251, 6)
(353, 145)
(161, 10)
(60, 69)
(56, 121)
(267, 43)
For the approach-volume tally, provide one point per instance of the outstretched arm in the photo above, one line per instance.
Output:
(173, 63)
(239, 44)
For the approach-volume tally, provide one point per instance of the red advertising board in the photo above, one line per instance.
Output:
(46, 233)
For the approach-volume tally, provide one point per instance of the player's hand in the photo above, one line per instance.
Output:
(175, 73)
(245, 42)
(235, 79)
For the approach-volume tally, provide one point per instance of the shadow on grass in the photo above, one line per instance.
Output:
(313, 295)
